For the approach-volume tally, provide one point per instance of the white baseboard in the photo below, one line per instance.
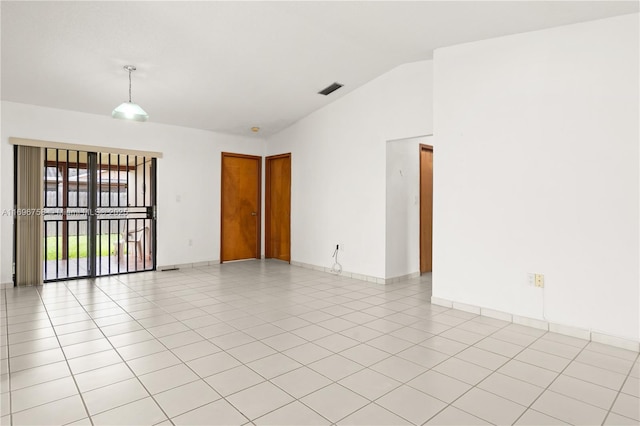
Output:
(594, 336)
(355, 276)
(188, 265)
(399, 278)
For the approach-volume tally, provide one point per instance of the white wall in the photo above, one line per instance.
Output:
(403, 207)
(338, 167)
(189, 169)
(537, 171)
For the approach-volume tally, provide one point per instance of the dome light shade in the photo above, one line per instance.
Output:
(130, 111)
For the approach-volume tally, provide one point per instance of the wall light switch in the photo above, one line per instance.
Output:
(531, 279)
(540, 280)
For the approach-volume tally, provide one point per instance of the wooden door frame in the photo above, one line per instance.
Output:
(267, 204)
(259, 206)
(425, 147)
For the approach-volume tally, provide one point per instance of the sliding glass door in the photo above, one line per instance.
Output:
(99, 214)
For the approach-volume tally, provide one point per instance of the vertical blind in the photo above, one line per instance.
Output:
(29, 233)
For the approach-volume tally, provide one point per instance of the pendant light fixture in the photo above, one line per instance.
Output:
(130, 110)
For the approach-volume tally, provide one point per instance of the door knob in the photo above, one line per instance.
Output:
(253, 213)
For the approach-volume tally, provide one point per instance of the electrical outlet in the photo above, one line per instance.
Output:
(531, 279)
(190, 242)
(540, 280)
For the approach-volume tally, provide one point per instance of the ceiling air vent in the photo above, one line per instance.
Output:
(330, 89)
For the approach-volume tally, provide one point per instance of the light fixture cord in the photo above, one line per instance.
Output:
(129, 86)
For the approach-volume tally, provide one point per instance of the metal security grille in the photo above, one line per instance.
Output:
(99, 215)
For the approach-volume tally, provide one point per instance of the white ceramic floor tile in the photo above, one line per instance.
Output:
(462, 370)
(412, 335)
(529, 373)
(632, 387)
(336, 342)
(462, 336)
(36, 375)
(607, 362)
(168, 378)
(131, 338)
(273, 365)
(361, 333)
(195, 350)
(115, 395)
(411, 404)
(378, 342)
(214, 330)
(263, 331)
(142, 412)
(556, 348)
(42, 393)
(103, 376)
(60, 412)
(154, 362)
(568, 409)
(565, 340)
(612, 351)
(369, 383)
(423, 356)
(32, 346)
(438, 385)
(216, 413)
(180, 339)
(140, 349)
(87, 348)
(628, 406)
(335, 367)
(334, 402)
(185, 398)
(389, 344)
(291, 323)
(373, 415)
(584, 391)
(365, 355)
(499, 347)
(592, 374)
(301, 382)
(293, 414)
(307, 353)
(36, 359)
(231, 340)
(536, 418)
(489, 407)
(251, 351)
(514, 338)
(482, 358)
(454, 416)
(543, 359)
(312, 332)
(512, 389)
(446, 346)
(614, 419)
(234, 380)
(259, 400)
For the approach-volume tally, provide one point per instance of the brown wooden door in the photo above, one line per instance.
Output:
(426, 207)
(240, 221)
(278, 207)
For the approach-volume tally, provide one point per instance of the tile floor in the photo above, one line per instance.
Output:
(264, 343)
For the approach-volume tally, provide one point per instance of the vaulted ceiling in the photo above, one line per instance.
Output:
(227, 66)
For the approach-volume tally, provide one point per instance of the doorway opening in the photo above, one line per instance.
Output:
(99, 214)
(278, 207)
